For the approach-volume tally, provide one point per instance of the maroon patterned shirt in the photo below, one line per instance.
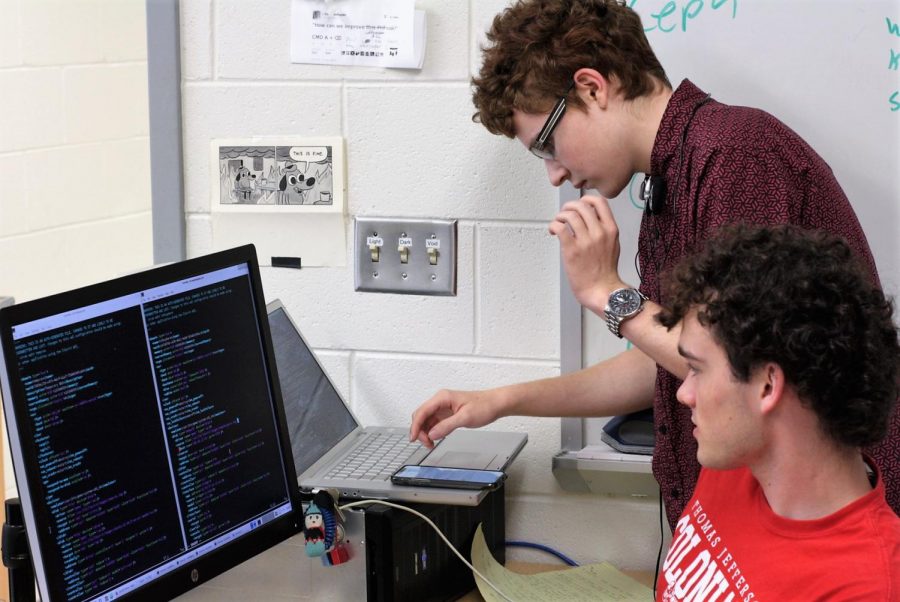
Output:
(737, 164)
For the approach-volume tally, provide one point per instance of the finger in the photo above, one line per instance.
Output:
(420, 432)
(415, 425)
(428, 412)
(603, 210)
(558, 228)
(572, 205)
(591, 218)
(445, 427)
(574, 222)
(420, 423)
(424, 440)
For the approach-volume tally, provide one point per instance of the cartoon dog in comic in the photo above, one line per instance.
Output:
(243, 183)
(294, 186)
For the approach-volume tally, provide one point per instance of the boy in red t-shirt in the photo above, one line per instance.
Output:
(793, 368)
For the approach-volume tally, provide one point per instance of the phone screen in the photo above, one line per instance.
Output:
(437, 476)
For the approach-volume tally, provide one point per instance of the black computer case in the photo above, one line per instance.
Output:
(407, 560)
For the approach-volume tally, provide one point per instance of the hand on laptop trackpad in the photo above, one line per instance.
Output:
(459, 459)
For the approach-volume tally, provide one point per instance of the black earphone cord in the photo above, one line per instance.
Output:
(654, 191)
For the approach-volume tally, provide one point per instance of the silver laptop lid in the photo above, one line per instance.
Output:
(317, 417)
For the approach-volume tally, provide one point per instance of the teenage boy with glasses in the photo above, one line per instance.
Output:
(616, 114)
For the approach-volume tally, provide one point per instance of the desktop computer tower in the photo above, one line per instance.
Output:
(395, 555)
(407, 560)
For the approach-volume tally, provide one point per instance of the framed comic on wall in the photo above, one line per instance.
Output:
(278, 174)
(286, 195)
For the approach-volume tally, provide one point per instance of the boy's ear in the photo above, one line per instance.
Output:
(770, 382)
(592, 86)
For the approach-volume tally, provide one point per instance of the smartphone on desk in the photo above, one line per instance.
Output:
(439, 476)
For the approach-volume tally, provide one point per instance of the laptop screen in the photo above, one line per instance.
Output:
(148, 441)
(317, 417)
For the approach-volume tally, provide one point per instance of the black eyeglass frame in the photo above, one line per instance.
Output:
(538, 147)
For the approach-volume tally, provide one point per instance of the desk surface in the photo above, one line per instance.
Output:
(529, 568)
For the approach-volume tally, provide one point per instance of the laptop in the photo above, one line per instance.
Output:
(332, 450)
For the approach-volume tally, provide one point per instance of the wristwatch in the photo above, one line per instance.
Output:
(623, 304)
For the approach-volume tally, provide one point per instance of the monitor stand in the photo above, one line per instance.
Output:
(16, 556)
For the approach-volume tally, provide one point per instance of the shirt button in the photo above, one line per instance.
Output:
(663, 429)
(675, 493)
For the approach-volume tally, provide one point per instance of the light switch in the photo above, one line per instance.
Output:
(403, 246)
(375, 243)
(425, 262)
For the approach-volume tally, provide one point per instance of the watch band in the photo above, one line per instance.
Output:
(614, 321)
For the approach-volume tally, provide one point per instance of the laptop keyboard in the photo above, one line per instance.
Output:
(375, 458)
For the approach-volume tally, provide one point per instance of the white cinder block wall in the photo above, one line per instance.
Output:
(74, 147)
(412, 151)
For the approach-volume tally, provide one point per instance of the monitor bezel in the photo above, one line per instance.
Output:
(200, 570)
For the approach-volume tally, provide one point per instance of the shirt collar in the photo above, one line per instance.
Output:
(817, 527)
(671, 129)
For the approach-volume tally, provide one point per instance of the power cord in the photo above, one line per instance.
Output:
(439, 532)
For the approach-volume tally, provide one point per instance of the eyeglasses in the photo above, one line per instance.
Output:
(542, 147)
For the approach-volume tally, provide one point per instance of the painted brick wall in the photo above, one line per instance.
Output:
(412, 151)
(74, 146)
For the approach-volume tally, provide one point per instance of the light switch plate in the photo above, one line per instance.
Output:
(423, 240)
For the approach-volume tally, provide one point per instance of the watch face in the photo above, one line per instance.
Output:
(624, 302)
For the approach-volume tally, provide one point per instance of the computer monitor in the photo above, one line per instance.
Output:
(147, 430)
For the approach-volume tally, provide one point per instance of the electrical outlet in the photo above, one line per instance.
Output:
(407, 256)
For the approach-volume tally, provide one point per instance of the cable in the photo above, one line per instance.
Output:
(543, 548)
(662, 537)
(435, 527)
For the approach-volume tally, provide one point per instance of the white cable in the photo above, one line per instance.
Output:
(435, 527)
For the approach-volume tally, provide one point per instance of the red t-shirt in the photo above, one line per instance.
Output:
(729, 546)
(722, 165)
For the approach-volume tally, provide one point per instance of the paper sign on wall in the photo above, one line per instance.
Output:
(370, 33)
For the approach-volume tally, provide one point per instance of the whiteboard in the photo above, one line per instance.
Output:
(829, 69)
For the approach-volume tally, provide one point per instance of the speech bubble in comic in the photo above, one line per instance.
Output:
(309, 154)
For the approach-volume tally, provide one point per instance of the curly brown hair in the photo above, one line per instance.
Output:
(536, 46)
(802, 300)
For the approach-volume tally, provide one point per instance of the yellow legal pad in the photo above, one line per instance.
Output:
(594, 582)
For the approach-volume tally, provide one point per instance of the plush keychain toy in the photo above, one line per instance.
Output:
(324, 529)
(313, 530)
